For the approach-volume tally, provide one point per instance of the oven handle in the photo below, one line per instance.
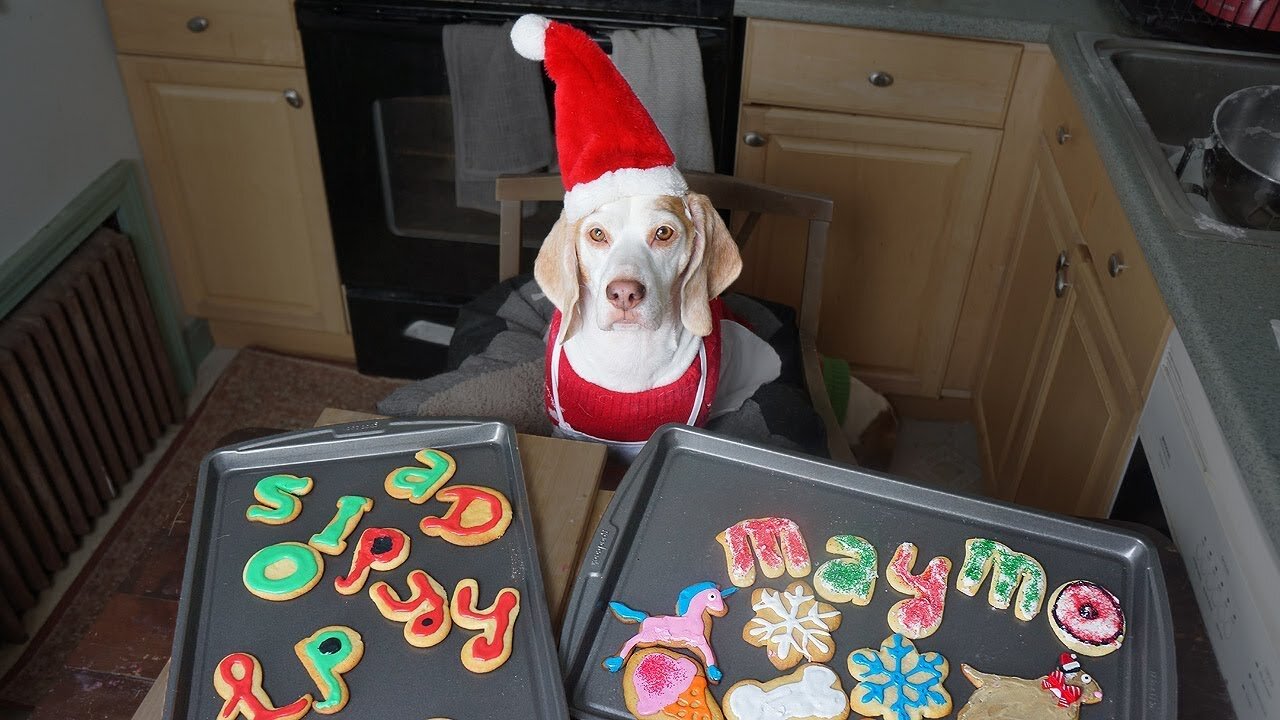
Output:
(318, 14)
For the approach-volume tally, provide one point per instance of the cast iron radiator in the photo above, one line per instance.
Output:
(86, 390)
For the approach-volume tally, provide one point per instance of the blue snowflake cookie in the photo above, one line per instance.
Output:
(899, 683)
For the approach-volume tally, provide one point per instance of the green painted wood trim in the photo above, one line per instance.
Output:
(118, 191)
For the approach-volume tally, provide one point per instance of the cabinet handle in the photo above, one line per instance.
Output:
(1062, 261)
(292, 97)
(198, 24)
(1115, 265)
(880, 78)
(1060, 283)
(754, 139)
(1063, 135)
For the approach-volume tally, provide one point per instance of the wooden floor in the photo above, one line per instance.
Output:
(106, 676)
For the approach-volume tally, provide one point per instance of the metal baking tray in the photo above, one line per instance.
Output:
(658, 536)
(394, 680)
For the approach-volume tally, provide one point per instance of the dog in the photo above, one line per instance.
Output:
(635, 282)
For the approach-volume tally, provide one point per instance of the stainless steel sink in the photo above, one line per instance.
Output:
(1168, 92)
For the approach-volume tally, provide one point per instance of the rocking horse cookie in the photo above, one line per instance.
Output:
(689, 628)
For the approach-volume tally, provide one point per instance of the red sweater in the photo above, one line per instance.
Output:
(632, 417)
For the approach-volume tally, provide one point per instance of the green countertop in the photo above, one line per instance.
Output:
(1222, 294)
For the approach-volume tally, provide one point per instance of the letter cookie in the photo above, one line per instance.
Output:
(425, 613)
(689, 628)
(898, 682)
(418, 484)
(1087, 618)
(1013, 570)
(660, 684)
(850, 579)
(488, 650)
(921, 615)
(792, 624)
(238, 681)
(477, 516)
(777, 542)
(377, 549)
(333, 539)
(278, 495)
(329, 653)
(283, 571)
(812, 692)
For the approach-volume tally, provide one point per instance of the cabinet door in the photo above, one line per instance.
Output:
(231, 155)
(1085, 413)
(908, 204)
(1030, 320)
(1056, 409)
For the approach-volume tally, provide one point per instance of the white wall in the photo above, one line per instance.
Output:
(63, 115)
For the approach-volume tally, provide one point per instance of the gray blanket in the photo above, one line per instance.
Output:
(496, 370)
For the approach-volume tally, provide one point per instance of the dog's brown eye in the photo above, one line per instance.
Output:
(597, 235)
(663, 233)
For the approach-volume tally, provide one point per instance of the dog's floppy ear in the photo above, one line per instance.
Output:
(713, 265)
(556, 271)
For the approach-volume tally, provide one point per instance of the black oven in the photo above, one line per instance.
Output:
(408, 255)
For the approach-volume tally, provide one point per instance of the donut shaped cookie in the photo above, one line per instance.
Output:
(1087, 618)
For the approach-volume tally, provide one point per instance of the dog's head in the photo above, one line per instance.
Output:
(639, 262)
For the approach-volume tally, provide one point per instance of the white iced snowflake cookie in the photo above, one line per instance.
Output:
(812, 692)
(792, 624)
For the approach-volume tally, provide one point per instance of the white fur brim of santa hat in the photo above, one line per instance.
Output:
(604, 156)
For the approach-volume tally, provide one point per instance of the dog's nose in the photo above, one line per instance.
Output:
(624, 294)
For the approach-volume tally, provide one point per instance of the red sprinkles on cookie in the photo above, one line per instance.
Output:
(1087, 618)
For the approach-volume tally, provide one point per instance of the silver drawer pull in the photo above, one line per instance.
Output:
(754, 139)
(1063, 135)
(292, 97)
(880, 78)
(1060, 283)
(198, 24)
(1115, 265)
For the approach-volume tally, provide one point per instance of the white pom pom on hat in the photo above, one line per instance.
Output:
(529, 36)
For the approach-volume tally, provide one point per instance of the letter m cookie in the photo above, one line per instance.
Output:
(777, 543)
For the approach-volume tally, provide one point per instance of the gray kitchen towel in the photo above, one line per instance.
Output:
(500, 119)
(664, 68)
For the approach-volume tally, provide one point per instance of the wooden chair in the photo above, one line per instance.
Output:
(743, 198)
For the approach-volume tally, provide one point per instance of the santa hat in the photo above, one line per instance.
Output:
(609, 146)
(1068, 663)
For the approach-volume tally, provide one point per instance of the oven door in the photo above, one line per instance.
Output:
(408, 255)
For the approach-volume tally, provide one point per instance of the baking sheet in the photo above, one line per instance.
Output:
(658, 536)
(394, 680)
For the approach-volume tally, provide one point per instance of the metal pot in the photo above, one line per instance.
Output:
(1242, 158)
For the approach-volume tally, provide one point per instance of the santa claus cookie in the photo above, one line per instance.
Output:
(793, 624)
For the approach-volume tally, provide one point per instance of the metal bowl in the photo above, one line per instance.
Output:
(1242, 161)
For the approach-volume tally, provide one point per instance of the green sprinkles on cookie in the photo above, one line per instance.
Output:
(851, 578)
(1013, 571)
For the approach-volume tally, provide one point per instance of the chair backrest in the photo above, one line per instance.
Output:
(747, 199)
(742, 197)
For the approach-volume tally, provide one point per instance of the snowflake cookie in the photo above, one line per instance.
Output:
(899, 683)
(793, 624)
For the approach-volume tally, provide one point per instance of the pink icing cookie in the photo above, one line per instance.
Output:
(921, 615)
(777, 543)
(1087, 618)
(660, 684)
(659, 679)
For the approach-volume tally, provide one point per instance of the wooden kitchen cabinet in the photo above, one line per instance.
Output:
(909, 195)
(230, 152)
(908, 202)
(1056, 405)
